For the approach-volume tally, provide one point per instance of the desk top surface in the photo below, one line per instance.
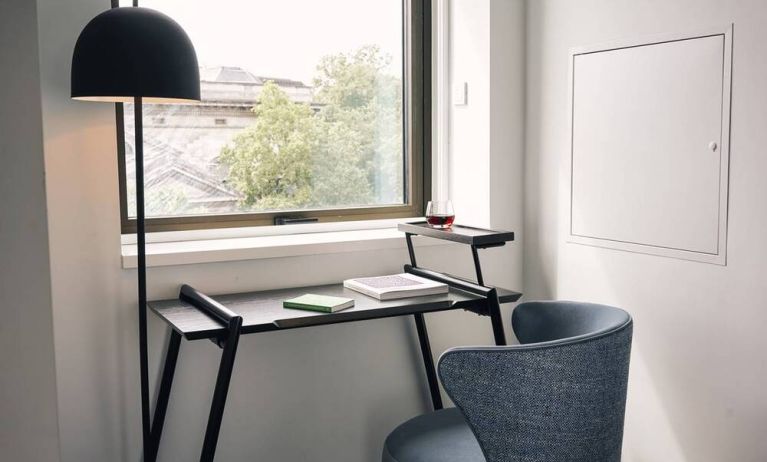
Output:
(263, 311)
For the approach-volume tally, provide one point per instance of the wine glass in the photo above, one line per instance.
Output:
(440, 214)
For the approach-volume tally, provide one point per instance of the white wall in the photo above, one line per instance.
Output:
(696, 391)
(28, 425)
(507, 116)
(469, 134)
(486, 138)
(329, 393)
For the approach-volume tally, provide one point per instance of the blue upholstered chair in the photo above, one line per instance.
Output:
(559, 396)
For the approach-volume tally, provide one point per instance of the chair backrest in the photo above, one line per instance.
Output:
(559, 396)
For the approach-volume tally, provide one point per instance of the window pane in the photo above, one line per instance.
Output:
(302, 108)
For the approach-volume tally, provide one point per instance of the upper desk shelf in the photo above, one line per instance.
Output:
(475, 237)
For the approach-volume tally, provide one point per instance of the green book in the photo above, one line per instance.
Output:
(323, 303)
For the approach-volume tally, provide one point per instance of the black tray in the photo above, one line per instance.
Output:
(477, 237)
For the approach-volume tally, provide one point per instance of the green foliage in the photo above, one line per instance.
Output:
(348, 153)
(350, 81)
(362, 110)
(269, 163)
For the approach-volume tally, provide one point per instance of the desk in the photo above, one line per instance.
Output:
(223, 318)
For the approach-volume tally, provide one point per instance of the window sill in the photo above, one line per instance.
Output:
(270, 246)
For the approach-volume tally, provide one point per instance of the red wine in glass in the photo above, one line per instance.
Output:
(440, 214)
(440, 221)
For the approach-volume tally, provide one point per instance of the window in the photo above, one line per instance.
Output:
(312, 109)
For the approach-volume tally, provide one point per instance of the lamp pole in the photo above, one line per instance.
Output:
(141, 256)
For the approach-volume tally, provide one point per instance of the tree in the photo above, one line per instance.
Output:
(362, 109)
(348, 153)
(270, 162)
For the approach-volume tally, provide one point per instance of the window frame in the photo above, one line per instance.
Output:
(416, 140)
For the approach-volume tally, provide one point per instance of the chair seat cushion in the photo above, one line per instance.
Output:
(441, 436)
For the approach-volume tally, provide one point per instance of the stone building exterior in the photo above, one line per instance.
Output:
(182, 141)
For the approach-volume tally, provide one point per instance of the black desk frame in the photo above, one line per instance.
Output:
(228, 342)
(493, 311)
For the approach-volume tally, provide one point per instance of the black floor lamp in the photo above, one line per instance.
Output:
(136, 55)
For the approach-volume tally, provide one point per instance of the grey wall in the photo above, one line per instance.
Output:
(696, 391)
(28, 425)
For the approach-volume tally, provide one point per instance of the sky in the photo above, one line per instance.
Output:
(284, 38)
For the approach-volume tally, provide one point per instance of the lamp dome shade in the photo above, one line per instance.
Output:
(127, 52)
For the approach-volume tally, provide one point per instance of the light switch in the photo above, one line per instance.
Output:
(460, 92)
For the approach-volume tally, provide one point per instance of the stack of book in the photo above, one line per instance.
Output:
(396, 286)
(321, 303)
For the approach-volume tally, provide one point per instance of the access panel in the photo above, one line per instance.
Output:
(649, 152)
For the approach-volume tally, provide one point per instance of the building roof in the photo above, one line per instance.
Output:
(169, 169)
(235, 74)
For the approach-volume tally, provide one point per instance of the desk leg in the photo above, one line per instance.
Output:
(222, 388)
(493, 304)
(494, 308)
(163, 396)
(428, 361)
(477, 266)
(410, 250)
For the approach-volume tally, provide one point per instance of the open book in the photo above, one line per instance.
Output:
(396, 286)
